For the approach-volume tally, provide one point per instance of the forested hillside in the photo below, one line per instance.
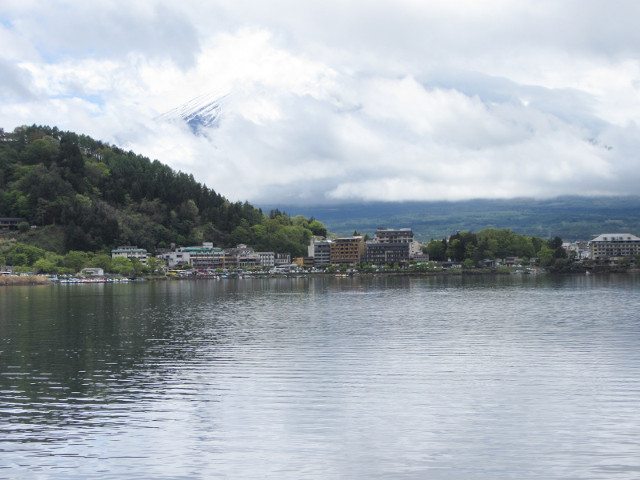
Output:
(572, 218)
(85, 195)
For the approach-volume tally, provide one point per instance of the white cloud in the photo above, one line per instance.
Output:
(329, 101)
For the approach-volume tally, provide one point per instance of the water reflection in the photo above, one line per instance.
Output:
(402, 377)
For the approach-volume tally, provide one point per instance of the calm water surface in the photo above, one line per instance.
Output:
(416, 378)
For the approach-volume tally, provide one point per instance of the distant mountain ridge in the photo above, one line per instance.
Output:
(571, 218)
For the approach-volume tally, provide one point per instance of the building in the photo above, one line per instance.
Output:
(130, 252)
(347, 250)
(201, 258)
(10, 223)
(387, 253)
(390, 235)
(611, 246)
(303, 262)
(92, 272)
(282, 259)
(206, 257)
(242, 257)
(267, 259)
(578, 250)
(390, 246)
(320, 250)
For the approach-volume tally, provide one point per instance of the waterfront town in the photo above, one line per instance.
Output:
(388, 249)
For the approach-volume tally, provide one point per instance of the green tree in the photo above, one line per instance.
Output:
(122, 266)
(460, 245)
(437, 250)
(22, 254)
(545, 256)
(138, 267)
(75, 261)
(102, 261)
(317, 228)
(42, 265)
(18, 259)
(554, 243)
(154, 265)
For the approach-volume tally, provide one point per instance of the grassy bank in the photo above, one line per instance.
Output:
(8, 280)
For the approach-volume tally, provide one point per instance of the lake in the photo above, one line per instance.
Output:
(500, 377)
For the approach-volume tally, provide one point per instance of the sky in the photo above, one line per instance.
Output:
(342, 101)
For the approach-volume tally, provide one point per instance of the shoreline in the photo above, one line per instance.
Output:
(10, 280)
(32, 280)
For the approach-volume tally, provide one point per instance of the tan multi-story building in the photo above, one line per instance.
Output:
(614, 245)
(346, 250)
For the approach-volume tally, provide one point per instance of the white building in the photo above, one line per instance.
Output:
(127, 251)
(209, 257)
(267, 259)
(614, 245)
(203, 257)
(578, 250)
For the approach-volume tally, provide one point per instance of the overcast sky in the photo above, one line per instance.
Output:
(325, 101)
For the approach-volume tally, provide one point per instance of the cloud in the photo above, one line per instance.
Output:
(334, 101)
(63, 30)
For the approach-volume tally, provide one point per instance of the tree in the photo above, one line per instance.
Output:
(122, 266)
(317, 228)
(437, 250)
(554, 243)
(138, 267)
(545, 256)
(18, 259)
(456, 249)
(460, 244)
(22, 254)
(42, 265)
(560, 253)
(102, 261)
(102, 196)
(154, 265)
(75, 261)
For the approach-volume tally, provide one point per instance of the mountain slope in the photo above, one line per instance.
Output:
(102, 196)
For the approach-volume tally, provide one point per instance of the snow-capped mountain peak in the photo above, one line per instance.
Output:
(202, 112)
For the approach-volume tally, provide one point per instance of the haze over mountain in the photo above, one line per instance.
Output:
(571, 218)
(316, 103)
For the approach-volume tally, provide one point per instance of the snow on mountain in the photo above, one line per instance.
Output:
(202, 112)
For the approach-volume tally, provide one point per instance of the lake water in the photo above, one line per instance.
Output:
(409, 378)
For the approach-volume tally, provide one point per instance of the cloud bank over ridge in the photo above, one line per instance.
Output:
(331, 102)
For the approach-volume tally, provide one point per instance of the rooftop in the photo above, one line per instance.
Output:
(616, 237)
